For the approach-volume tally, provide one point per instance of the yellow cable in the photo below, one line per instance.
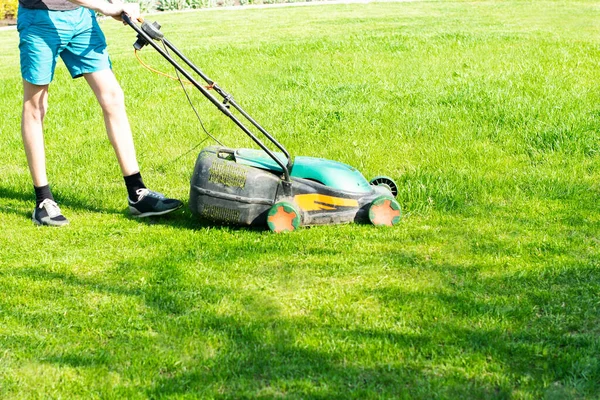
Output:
(149, 68)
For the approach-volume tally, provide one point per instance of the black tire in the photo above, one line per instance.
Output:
(386, 182)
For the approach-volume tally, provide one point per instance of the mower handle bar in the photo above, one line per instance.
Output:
(227, 98)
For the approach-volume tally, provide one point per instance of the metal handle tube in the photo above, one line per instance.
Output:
(209, 96)
(263, 131)
(225, 95)
(187, 61)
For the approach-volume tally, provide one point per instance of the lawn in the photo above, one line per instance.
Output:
(486, 113)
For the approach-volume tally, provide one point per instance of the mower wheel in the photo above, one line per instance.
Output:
(283, 216)
(386, 182)
(385, 211)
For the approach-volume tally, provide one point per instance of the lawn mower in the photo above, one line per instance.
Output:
(258, 187)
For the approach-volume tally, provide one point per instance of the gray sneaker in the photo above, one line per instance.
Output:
(151, 203)
(48, 213)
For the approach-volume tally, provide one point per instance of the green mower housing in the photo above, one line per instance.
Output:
(245, 187)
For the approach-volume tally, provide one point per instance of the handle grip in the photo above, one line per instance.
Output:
(127, 20)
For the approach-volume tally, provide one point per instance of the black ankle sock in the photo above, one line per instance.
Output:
(134, 183)
(42, 193)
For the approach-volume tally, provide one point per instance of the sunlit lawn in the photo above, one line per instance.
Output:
(486, 113)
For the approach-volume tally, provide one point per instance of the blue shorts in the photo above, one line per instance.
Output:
(73, 35)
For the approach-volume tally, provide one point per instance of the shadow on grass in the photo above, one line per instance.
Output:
(481, 333)
(475, 336)
(268, 362)
(63, 199)
(539, 326)
(182, 218)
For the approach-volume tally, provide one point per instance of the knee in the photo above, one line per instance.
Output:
(35, 109)
(112, 100)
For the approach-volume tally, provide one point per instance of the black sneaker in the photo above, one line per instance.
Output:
(48, 213)
(152, 203)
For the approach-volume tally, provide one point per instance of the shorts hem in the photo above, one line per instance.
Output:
(43, 82)
(80, 73)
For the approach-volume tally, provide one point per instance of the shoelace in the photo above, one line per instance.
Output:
(146, 192)
(51, 208)
(141, 193)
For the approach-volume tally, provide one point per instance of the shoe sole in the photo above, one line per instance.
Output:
(136, 214)
(38, 223)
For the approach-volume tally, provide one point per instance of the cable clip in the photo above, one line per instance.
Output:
(226, 100)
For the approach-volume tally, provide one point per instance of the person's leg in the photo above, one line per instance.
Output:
(95, 66)
(35, 104)
(39, 45)
(111, 99)
(142, 202)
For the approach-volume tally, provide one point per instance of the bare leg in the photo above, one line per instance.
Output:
(111, 99)
(35, 104)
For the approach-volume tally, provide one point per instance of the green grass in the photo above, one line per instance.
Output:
(486, 113)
